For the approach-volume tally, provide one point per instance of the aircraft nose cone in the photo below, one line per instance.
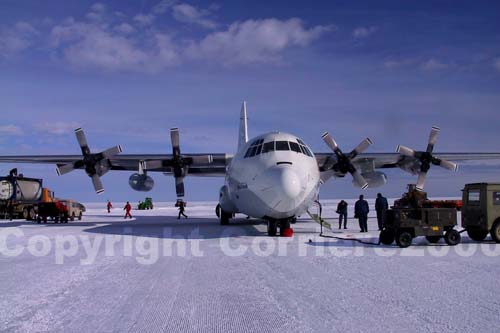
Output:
(288, 182)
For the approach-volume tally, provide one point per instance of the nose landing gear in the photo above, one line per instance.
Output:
(284, 225)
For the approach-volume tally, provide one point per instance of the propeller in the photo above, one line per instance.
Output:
(344, 164)
(178, 163)
(95, 165)
(426, 158)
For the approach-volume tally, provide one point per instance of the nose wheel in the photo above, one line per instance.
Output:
(284, 225)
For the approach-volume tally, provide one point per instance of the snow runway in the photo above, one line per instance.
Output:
(157, 273)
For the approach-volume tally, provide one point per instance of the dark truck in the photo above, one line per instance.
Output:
(19, 196)
(481, 210)
(415, 215)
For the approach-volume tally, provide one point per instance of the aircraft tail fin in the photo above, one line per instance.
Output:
(243, 135)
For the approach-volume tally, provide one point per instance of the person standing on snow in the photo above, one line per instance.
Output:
(127, 210)
(361, 211)
(342, 211)
(381, 206)
(109, 206)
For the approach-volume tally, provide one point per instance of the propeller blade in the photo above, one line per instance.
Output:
(174, 138)
(330, 141)
(359, 180)
(82, 141)
(432, 138)
(405, 151)
(448, 165)
(112, 151)
(421, 180)
(64, 169)
(179, 186)
(361, 147)
(96, 181)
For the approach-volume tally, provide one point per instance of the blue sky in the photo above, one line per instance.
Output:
(127, 71)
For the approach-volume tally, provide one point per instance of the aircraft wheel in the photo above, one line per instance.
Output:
(477, 234)
(224, 217)
(495, 231)
(404, 239)
(272, 228)
(452, 237)
(386, 237)
(433, 239)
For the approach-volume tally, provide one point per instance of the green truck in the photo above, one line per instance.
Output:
(481, 210)
(146, 204)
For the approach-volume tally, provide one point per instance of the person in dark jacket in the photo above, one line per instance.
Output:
(381, 206)
(361, 211)
(181, 206)
(342, 211)
(109, 206)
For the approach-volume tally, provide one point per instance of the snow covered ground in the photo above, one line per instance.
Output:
(157, 273)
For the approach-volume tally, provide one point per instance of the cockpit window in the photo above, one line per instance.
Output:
(268, 146)
(259, 147)
(294, 146)
(282, 145)
(255, 148)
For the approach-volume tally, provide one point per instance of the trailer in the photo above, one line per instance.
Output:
(415, 215)
(404, 224)
(19, 196)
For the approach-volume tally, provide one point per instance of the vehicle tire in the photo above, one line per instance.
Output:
(72, 216)
(404, 239)
(477, 234)
(272, 228)
(45, 219)
(80, 216)
(433, 239)
(26, 215)
(495, 231)
(386, 237)
(452, 237)
(32, 214)
(224, 218)
(39, 220)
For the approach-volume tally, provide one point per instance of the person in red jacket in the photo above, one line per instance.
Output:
(109, 206)
(127, 210)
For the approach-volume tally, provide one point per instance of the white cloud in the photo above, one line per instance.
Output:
(363, 32)
(90, 45)
(163, 6)
(255, 41)
(497, 64)
(433, 65)
(98, 7)
(124, 28)
(57, 128)
(189, 14)
(17, 38)
(144, 19)
(11, 130)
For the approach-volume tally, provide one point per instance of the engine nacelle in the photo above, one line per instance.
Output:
(374, 179)
(142, 183)
(225, 201)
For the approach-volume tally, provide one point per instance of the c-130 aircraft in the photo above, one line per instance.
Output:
(275, 176)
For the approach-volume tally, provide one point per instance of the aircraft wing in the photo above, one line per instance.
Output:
(394, 160)
(415, 163)
(205, 165)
